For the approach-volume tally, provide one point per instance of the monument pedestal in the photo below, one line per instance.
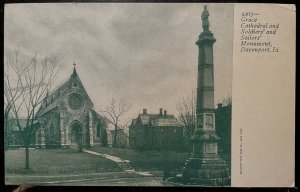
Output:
(206, 167)
(208, 171)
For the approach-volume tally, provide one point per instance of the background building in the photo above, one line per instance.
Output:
(14, 135)
(223, 129)
(155, 132)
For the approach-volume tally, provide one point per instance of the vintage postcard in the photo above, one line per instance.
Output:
(149, 94)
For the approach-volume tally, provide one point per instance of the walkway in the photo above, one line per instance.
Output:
(123, 164)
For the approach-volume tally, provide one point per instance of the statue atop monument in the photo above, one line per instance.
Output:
(204, 17)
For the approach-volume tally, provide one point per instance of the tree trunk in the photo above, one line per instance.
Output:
(115, 136)
(26, 156)
(6, 131)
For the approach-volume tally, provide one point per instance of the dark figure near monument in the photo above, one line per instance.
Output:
(205, 167)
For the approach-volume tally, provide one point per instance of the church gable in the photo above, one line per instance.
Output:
(75, 86)
(70, 94)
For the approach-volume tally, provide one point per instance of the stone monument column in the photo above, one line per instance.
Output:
(205, 121)
(205, 167)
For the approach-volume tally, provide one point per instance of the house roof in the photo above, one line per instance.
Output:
(167, 122)
(158, 120)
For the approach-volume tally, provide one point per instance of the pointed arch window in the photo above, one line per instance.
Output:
(98, 130)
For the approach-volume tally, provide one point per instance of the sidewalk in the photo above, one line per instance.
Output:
(123, 164)
(60, 179)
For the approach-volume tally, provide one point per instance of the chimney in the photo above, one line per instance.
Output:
(145, 111)
(165, 112)
(160, 111)
(219, 105)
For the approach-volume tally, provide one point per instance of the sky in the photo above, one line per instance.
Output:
(142, 53)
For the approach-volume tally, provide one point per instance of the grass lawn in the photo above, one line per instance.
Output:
(55, 162)
(148, 160)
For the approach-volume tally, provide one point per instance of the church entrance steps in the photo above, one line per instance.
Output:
(123, 164)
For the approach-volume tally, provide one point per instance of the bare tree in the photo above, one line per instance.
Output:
(186, 108)
(114, 111)
(8, 123)
(227, 100)
(32, 78)
(11, 95)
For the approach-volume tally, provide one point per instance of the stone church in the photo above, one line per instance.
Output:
(66, 117)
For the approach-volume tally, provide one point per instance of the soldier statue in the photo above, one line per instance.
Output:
(204, 17)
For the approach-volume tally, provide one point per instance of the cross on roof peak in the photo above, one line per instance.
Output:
(74, 69)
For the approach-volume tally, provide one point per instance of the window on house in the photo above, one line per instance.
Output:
(152, 122)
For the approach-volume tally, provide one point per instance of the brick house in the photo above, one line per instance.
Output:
(66, 117)
(155, 132)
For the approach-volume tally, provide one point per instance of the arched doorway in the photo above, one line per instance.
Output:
(76, 136)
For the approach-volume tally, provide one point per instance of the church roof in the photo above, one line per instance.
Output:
(99, 116)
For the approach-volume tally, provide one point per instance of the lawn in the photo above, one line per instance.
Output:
(148, 160)
(56, 162)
